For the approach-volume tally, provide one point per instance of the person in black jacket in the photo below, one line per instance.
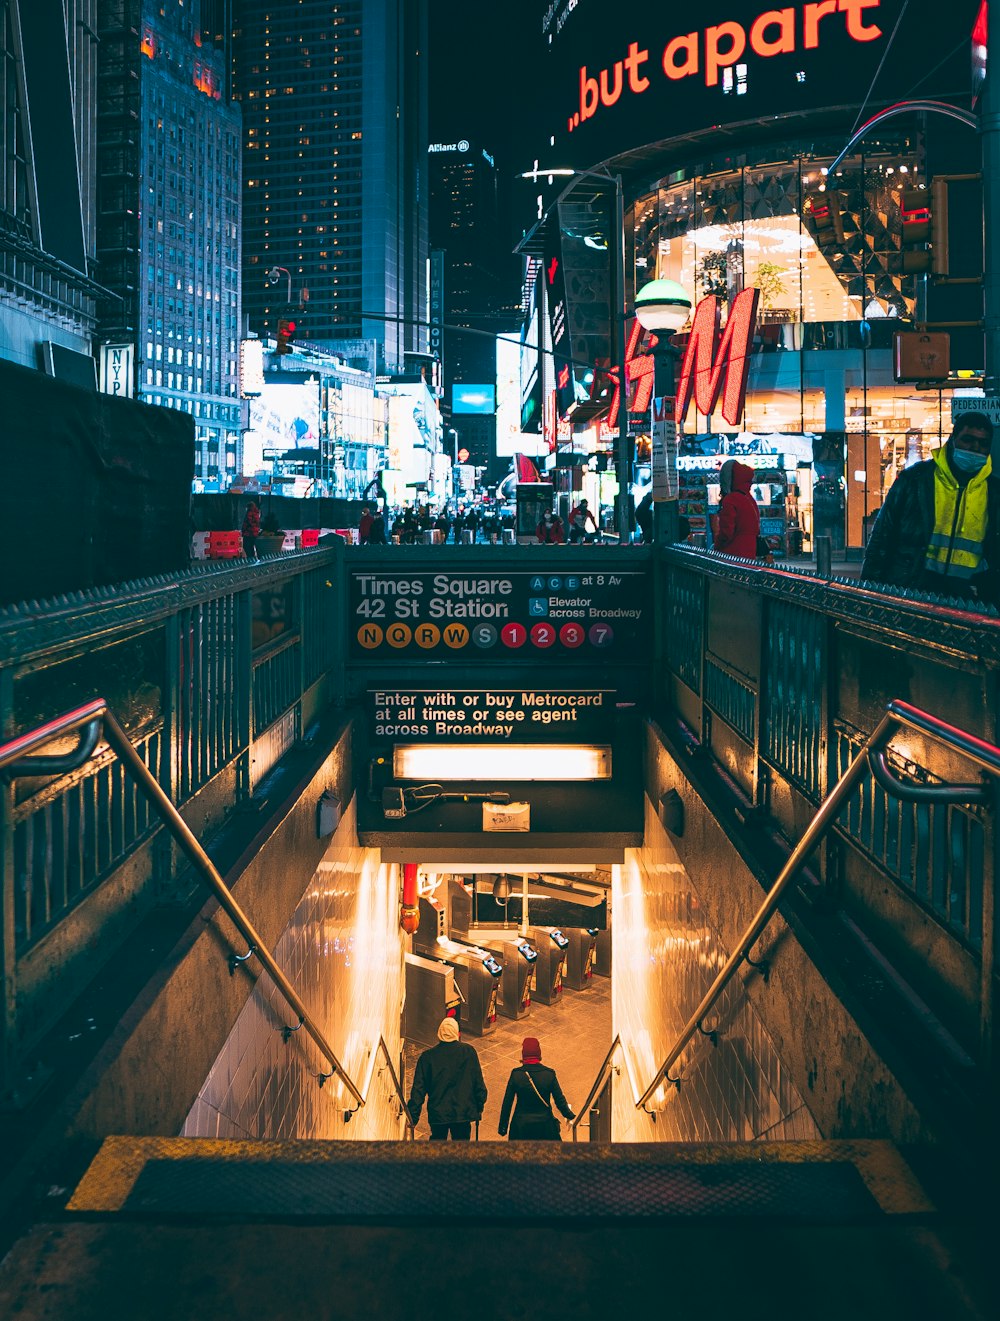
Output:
(530, 1091)
(939, 527)
(450, 1077)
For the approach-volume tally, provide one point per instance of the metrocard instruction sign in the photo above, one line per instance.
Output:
(560, 618)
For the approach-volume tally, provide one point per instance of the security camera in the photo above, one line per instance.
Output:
(273, 275)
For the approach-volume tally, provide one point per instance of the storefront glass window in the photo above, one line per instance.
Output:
(825, 252)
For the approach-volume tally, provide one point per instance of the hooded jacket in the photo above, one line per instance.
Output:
(739, 517)
(897, 551)
(450, 1077)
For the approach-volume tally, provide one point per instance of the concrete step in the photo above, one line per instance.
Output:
(174, 1228)
(820, 1182)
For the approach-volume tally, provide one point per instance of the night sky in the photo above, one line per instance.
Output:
(479, 58)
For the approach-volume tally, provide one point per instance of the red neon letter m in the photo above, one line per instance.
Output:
(706, 358)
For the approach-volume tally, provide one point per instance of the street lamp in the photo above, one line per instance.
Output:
(618, 298)
(663, 307)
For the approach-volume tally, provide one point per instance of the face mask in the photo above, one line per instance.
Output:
(968, 460)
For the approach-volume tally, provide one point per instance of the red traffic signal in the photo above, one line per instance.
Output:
(286, 329)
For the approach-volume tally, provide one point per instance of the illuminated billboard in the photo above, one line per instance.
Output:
(473, 398)
(621, 78)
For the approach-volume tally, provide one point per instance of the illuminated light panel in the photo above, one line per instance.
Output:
(522, 761)
(708, 359)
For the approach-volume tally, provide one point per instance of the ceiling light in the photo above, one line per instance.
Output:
(524, 761)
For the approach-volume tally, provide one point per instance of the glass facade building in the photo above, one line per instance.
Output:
(826, 253)
(335, 139)
(723, 150)
(170, 218)
(48, 175)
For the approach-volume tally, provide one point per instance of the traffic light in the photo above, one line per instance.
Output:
(286, 329)
(915, 230)
(923, 215)
(824, 217)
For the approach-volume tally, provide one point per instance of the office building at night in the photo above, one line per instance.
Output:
(169, 219)
(48, 239)
(335, 197)
(465, 226)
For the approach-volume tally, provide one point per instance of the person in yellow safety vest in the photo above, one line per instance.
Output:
(938, 530)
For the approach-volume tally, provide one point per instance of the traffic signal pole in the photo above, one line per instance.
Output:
(990, 142)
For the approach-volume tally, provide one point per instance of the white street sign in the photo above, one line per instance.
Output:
(664, 448)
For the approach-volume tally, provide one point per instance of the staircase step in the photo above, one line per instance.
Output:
(813, 1182)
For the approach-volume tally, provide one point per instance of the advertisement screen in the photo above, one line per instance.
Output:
(473, 398)
(623, 77)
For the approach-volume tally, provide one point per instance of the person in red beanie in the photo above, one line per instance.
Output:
(737, 527)
(530, 1091)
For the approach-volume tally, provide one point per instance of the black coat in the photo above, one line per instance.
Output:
(897, 550)
(450, 1077)
(531, 1115)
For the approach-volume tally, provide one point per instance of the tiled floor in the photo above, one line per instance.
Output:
(575, 1036)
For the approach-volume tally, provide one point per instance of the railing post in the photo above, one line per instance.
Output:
(8, 942)
(988, 949)
(244, 692)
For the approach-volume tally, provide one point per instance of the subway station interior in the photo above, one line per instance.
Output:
(721, 838)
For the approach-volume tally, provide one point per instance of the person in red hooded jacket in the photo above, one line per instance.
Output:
(738, 522)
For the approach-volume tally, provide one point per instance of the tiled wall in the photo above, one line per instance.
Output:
(666, 955)
(342, 953)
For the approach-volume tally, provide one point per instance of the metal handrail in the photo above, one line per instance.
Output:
(603, 1073)
(871, 756)
(16, 754)
(397, 1086)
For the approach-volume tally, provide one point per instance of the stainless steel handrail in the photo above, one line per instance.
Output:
(871, 755)
(18, 749)
(397, 1086)
(603, 1074)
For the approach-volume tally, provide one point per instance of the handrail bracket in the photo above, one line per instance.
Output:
(235, 960)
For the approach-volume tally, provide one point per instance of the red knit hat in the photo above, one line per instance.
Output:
(531, 1051)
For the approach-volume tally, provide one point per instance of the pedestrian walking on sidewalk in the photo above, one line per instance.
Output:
(939, 527)
(531, 1089)
(450, 1078)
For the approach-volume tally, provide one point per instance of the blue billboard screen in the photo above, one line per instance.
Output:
(473, 398)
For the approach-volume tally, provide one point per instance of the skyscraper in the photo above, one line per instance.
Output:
(480, 280)
(169, 214)
(48, 63)
(335, 196)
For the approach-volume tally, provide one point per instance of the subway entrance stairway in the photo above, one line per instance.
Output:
(790, 787)
(171, 1228)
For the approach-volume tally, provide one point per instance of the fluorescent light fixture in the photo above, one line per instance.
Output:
(438, 762)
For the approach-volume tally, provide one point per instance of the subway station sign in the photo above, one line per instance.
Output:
(491, 715)
(570, 617)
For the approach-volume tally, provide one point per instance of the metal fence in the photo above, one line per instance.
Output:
(780, 675)
(181, 660)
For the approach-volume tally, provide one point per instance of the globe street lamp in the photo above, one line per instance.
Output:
(663, 307)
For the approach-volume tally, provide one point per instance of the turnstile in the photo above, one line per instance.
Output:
(519, 958)
(602, 959)
(430, 994)
(550, 969)
(580, 957)
(477, 975)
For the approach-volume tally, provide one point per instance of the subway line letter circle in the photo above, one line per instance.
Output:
(398, 635)
(456, 636)
(370, 636)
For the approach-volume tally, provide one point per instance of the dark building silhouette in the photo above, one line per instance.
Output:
(335, 132)
(479, 279)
